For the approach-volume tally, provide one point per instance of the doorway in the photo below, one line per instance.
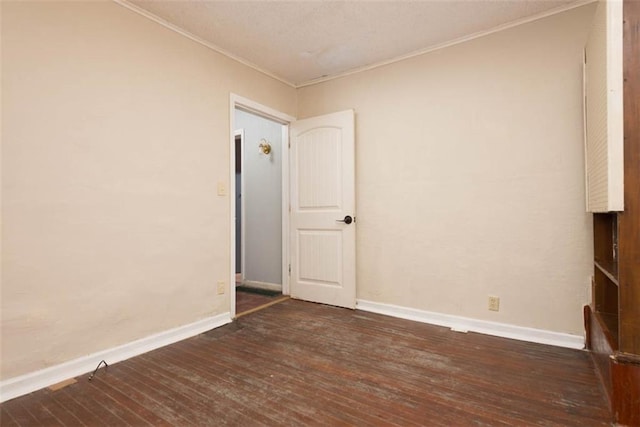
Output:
(260, 206)
(317, 214)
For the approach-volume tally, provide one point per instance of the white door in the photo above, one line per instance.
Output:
(322, 221)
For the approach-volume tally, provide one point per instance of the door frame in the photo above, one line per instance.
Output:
(253, 107)
(240, 133)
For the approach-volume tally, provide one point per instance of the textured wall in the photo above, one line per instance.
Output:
(470, 175)
(115, 133)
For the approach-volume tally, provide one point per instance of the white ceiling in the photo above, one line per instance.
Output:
(306, 40)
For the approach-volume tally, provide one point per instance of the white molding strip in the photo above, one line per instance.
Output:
(454, 42)
(464, 324)
(262, 285)
(169, 25)
(132, 7)
(24, 384)
(258, 109)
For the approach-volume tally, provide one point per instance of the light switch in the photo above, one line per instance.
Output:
(222, 189)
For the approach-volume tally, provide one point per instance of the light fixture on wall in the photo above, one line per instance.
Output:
(264, 147)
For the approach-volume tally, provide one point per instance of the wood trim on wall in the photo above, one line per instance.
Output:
(614, 331)
(629, 220)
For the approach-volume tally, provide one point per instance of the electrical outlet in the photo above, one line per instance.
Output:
(221, 287)
(494, 303)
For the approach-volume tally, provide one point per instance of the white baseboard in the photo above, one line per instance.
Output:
(24, 384)
(262, 285)
(464, 324)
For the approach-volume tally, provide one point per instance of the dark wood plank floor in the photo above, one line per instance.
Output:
(298, 363)
(247, 301)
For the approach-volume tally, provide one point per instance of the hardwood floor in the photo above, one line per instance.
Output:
(298, 363)
(249, 301)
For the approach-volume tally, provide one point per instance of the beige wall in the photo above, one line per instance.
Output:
(470, 176)
(116, 131)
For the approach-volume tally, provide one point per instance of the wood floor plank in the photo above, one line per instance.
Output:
(244, 393)
(148, 415)
(164, 411)
(66, 399)
(168, 396)
(40, 412)
(93, 402)
(247, 301)
(6, 419)
(295, 375)
(324, 339)
(357, 394)
(59, 411)
(210, 410)
(18, 411)
(124, 412)
(298, 363)
(225, 404)
(351, 368)
(263, 383)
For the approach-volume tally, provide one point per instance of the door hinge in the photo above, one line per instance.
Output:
(289, 269)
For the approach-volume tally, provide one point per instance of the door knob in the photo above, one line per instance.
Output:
(347, 220)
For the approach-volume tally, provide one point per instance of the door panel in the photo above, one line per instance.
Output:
(322, 193)
(320, 260)
(320, 170)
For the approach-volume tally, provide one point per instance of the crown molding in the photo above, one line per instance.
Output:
(132, 7)
(454, 42)
(479, 34)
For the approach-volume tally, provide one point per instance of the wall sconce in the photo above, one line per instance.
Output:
(264, 147)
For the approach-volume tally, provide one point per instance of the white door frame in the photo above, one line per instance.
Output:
(236, 101)
(240, 133)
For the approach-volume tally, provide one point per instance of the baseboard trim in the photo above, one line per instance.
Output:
(24, 384)
(464, 324)
(262, 285)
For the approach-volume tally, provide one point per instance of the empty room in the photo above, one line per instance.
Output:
(404, 213)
